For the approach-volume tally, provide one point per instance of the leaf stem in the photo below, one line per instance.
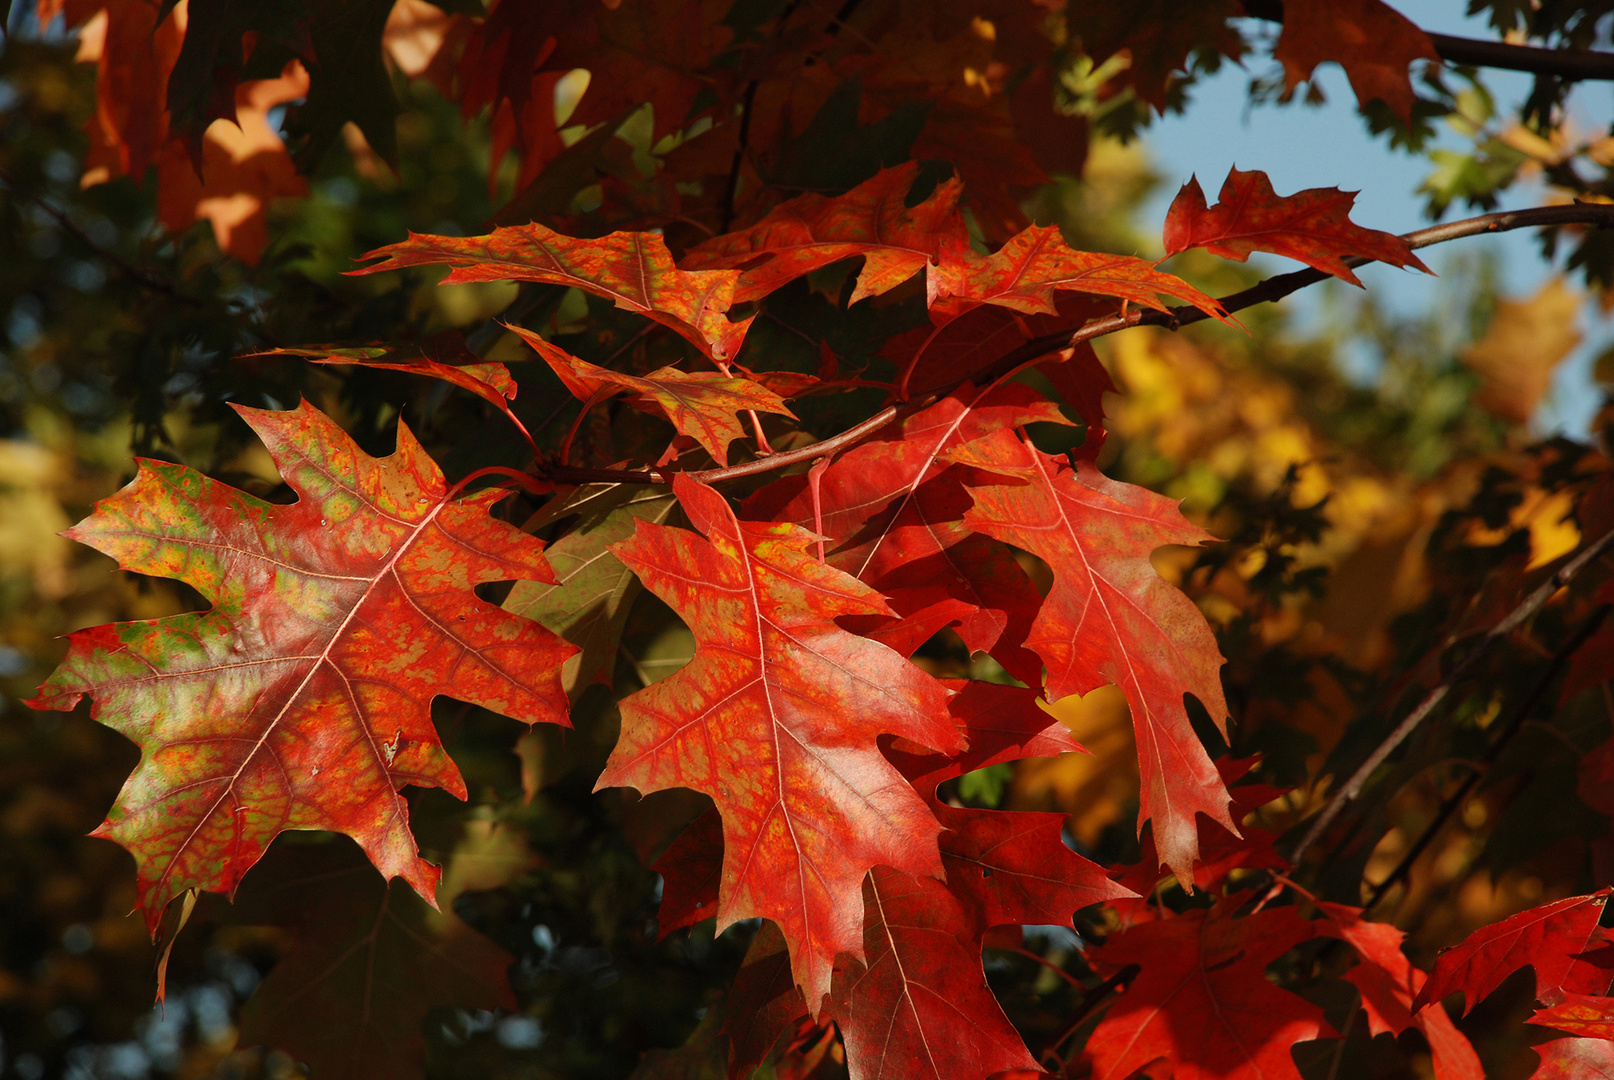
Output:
(1600, 215)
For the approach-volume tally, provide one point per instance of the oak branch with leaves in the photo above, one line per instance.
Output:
(781, 368)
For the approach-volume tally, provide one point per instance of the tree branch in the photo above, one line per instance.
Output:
(1548, 679)
(1526, 608)
(1272, 289)
(1574, 65)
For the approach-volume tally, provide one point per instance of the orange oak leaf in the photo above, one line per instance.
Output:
(301, 699)
(699, 404)
(918, 1005)
(1588, 1015)
(1548, 938)
(872, 220)
(1575, 1059)
(1111, 618)
(892, 513)
(1027, 272)
(1372, 41)
(633, 270)
(1313, 226)
(442, 356)
(1201, 1000)
(1388, 983)
(776, 719)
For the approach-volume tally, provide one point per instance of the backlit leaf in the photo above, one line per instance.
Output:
(1312, 226)
(699, 404)
(1372, 41)
(776, 719)
(1546, 938)
(1111, 618)
(301, 699)
(1201, 1000)
(633, 270)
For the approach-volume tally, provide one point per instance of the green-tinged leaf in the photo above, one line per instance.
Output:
(301, 698)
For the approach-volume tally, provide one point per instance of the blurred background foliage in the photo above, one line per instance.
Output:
(1375, 477)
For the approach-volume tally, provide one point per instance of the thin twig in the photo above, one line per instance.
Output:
(1574, 65)
(1516, 724)
(1272, 289)
(1526, 608)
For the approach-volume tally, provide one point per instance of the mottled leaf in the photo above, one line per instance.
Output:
(699, 404)
(1111, 618)
(776, 719)
(300, 700)
(634, 270)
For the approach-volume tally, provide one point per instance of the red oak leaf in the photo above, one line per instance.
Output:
(1388, 983)
(1220, 852)
(763, 1002)
(301, 699)
(1111, 618)
(1548, 938)
(699, 404)
(634, 270)
(1027, 272)
(893, 515)
(872, 220)
(1588, 1015)
(1012, 867)
(919, 1006)
(690, 869)
(1202, 1001)
(441, 356)
(1000, 723)
(1372, 41)
(776, 719)
(1575, 1059)
(1313, 226)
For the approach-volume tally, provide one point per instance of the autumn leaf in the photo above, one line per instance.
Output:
(1372, 41)
(588, 602)
(1201, 1000)
(1575, 1059)
(1111, 618)
(691, 872)
(763, 1002)
(1588, 1015)
(1000, 724)
(918, 1006)
(1027, 272)
(442, 356)
(872, 220)
(892, 513)
(699, 404)
(368, 961)
(1312, 226)
(1522, 348)
(1012, 867)
(634, 270)
(776, 719)
(1388, 984)
(301, 699)
(1547, 938)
